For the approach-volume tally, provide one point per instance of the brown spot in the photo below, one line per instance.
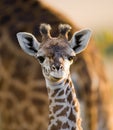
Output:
(51, 118)
(72, 116)
(21, 70)
(50, 101)
(61, 93)
(34, 5)
(6, 56)
(9, 118)
(73, 103)
(55, 92)
(53, 127)
(69, 98)
(59, 124)
(38, 102)
(67, 89)
(9, 103)
(20, 94)
(41, 111)
(56, 127)
(65, 125)
(27, 115)
(64, 112)
(56, 108)
(18, 10)
(50, 112)
(1, 83)
(67, 81)
(73, 128)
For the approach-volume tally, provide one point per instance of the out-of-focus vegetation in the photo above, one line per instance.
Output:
(104, 41)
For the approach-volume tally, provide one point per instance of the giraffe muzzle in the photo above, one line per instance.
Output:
(57, 67)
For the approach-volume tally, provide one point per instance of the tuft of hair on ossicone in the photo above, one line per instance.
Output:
(45, 30)
(64, 30)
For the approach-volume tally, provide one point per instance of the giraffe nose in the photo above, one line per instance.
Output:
(57, 67)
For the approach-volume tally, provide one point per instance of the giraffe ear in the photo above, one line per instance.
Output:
(28, 43)
(80, 40)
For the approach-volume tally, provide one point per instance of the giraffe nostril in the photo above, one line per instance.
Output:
(57, 67)
(53, 67)
(61, 67)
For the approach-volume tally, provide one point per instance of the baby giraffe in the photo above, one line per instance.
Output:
(56, 54)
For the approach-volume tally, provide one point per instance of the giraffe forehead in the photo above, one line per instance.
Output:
(56, 43)
(57, 49)
(56, 46)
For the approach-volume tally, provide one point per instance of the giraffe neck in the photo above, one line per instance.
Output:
(63, 106)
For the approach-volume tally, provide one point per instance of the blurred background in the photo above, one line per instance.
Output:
(96, 15)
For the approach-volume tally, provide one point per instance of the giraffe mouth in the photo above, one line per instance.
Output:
(55, 78)
(57, 75)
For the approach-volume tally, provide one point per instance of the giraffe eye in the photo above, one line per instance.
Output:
(41, 59)
(70, 58)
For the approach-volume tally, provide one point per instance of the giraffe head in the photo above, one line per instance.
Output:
(55, 54)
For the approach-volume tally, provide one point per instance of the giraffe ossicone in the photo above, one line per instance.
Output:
(56, 54)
